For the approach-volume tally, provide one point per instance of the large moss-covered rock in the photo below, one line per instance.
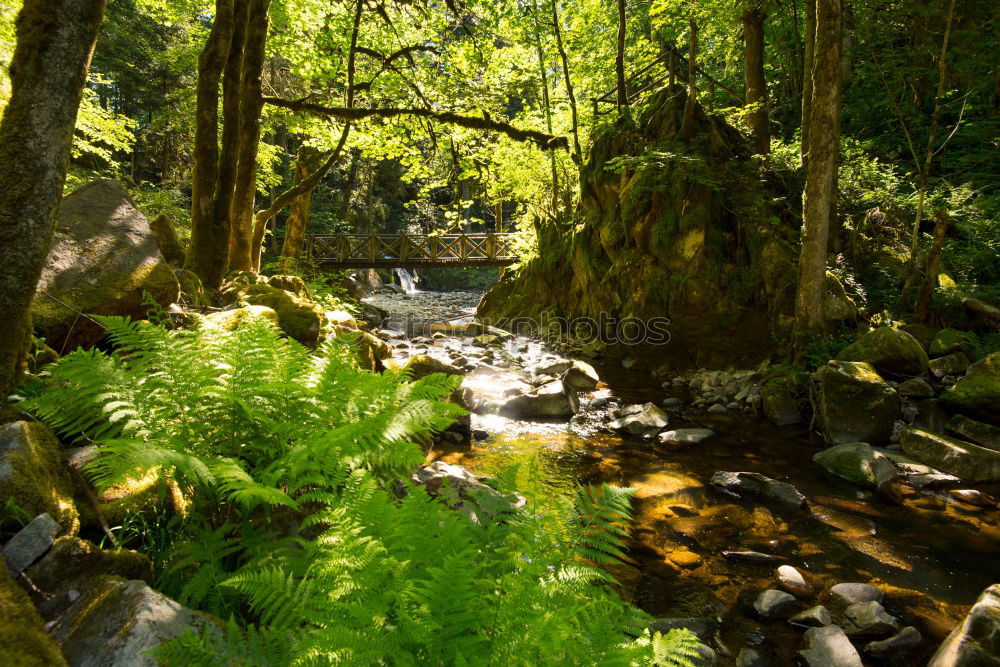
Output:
(371, 351)
(858, 463)
(962, 459)
(837, 305)
(34, 473)
(72, 560)
(300, 318)
(855, 404)
(193, 292)
(103, 260)
(889, 351)
(978, 393)
(23, 640)
(231, 320)
(290, 283)
(115, 621)
(670, 230)
(948, 341)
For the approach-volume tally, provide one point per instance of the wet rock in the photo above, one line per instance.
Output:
(901, 643)
(464, 491)
(684, 558)
(581, 376)
(707, 657)
(480, 435)
(973, 497)
(115, 621)
(888, 350)
(30, 543)
(828, 646)
(814, 617)
(641, 420)
(552, 399)
(738, 483)
(686, 436)
(963, 459)
(773, 603)
(859, 463)
(948, 341)
(672, 402)
(748, 657)
(779, 399)
(792, 581)
(717, 409)
(853, 593)
(982, 434)
(868, 619)
(976, 642)
(916, 388)
(931, 416)
(34, 473)
(755, 557)
(855, 404)
(702, 627)
(23, 639)
(977, 395)
(920, 475)
(954, 364)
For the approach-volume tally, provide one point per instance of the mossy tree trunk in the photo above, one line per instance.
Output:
(620, 61)
(922, 312)
(687, 124)
(821, 171)
(308, 160)
(807, 80)
(753, 74)
(55, 41)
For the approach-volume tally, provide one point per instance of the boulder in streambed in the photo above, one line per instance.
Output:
(581, 376)
(858, 462)
(793, 582)
(888, 350)
(977, 395)
(686, 436)
(753, 483)
(900, 643)
(855, 404)
(916, 388)
(552, 399)
(641, 421)
(103, 260)
(773, 603)
(955, 363)
(982, 434)
(828, 646)
(853, 593)
(462, 490)
(814, 617)
(963, 459)
(976, 642)
(868, 619)
(298, 317)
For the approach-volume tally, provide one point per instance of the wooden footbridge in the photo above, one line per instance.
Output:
(410, 251)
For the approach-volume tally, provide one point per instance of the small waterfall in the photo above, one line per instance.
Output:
(407, 280)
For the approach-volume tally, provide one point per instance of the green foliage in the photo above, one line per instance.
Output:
(298, 528)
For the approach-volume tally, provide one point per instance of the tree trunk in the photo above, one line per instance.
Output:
(251, 104)
(308, 161)
(687, 125)
(55, 40)
(548, 117)
(620, 61)
(577, 152)
(821, 172)
(206, 236)
(753, 73)
(807, 79)
(922, 313)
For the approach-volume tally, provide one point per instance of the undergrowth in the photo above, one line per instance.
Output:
(302, 528)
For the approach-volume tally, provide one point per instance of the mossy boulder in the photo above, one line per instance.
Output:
(947, 341)
(857, 462)
(963, 459)
(422, 365)
(300, 318)
(23, 639)
(193, 293)
(290, 283)
(103, 260)
(837, 305)
(889, 351)
(231, 320)
(166, 240)
(779, 395)
(855, 404)
(35, 475)
(978, 393)
(371, 351)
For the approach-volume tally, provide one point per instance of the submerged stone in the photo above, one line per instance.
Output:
(738, 483)
(828, 646)
(853, 593)
(773, 603)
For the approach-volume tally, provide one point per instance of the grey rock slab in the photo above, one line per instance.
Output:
(814, 617)
(773, 603)
(900, 643)
(957, 457)
(853, 593)
(868, 619)
(30, 543)
(984, 435)
(738, 483)
(686, 436)
(976, 641)
(828, 646)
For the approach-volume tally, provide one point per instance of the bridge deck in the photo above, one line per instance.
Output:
(408, 251)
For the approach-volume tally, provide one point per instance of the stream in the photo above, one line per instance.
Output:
(931, 555)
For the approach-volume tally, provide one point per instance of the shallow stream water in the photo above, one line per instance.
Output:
(931, 555)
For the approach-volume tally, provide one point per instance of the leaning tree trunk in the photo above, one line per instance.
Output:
(807, 79)
(55, 40)
(206, 235)
(922, 312)
(821, 172)
(687, 125)
(753, 74)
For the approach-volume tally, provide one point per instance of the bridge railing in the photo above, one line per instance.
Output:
(406, 250)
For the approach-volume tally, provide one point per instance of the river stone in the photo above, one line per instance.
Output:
(973, 497)
(792, 581)
(853, 593)
(465, 491)
(30, 543)
(552, 399)
(976, 642)
(672, 402)
(773, 603)
(749, 657)
(859, 463)
(889, 351)
(868, 619)
(982, 434)
(754, 483)
(955, 363)
(948, 341)
(916, 388)
(34, 474)
(103, 260)
(114, 621)
(977, 395)
(855, 404)
(707, 657)
(702, 627)
(642, 421)
(686, 436)
(902, 642)
(829, 647)
(963, 459)
(717, 409)
(814, 617)
(581, 376)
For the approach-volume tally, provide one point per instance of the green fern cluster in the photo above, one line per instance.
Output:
(300, 530)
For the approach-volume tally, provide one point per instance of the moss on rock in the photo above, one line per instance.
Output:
(72, 560)
(855, 404)
(948, 341)
(231, 320)
(35, 475)
(23, 639)
(290, 283)
(888, 350)
(300, 318)
(192, 291)
(978, 393)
